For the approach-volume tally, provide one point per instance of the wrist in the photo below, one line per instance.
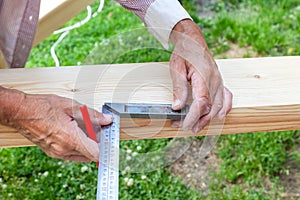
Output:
(187, 28)
(10, 102)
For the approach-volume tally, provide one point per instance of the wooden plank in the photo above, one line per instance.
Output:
(55, 13)
(266, 93)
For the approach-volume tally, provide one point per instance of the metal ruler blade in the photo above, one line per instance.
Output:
(108, 172)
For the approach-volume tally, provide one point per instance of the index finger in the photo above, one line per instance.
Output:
(200, 105)
(197, 110)
(86, 146)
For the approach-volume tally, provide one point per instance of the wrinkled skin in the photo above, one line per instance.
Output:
(52, 123)
(192, 63)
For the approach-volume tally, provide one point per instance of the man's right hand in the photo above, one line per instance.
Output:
(52, 123)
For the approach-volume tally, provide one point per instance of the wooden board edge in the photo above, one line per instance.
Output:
(239, 120)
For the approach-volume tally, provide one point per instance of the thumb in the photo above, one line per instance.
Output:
(178, 74)
(96, 117)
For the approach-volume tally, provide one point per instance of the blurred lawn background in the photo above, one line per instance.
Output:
(251, 165)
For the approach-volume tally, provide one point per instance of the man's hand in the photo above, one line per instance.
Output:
(52, 123)
(191, 62)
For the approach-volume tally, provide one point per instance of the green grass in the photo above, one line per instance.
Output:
(272, 28)
(251, 163)
(27, 173)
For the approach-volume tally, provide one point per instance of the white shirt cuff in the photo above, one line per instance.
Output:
(162, 16)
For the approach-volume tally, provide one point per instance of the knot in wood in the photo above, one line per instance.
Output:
(74, 90)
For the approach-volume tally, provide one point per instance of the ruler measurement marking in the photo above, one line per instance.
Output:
(108, 174)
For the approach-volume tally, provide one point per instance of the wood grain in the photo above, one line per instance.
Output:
(266, 94)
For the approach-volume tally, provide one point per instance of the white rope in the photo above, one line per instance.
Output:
(78, 24)
(100, 7)
(65, 31)
(52, 50)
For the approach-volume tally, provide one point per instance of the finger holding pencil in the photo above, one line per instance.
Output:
(88, 124)
(54, 124)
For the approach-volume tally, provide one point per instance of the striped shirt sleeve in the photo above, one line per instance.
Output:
(159, 16)
(18, 22)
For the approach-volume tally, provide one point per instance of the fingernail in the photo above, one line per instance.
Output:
(108, 117)
(208, 109)
(176, 124)
(222, 116)
(185, 128)
(196, 129)
(176, 103)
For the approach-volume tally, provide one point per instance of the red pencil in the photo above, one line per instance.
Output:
(88, 124)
